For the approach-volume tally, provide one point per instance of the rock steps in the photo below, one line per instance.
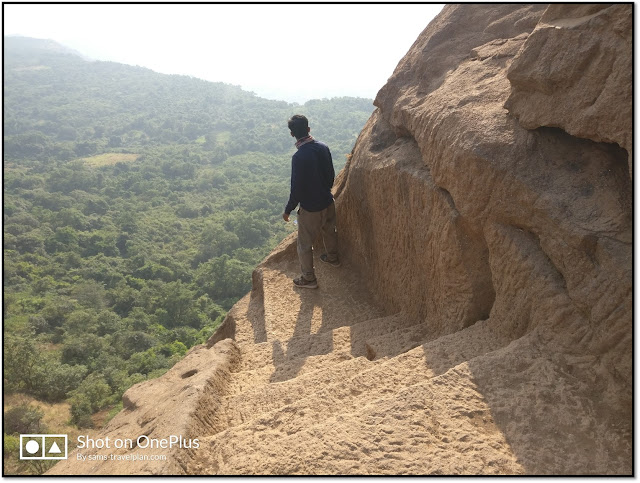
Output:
(375, 430)
(348, 386)
(381, 395)
(354, 339)
(310, 369)
(245, 405)
(272, 373)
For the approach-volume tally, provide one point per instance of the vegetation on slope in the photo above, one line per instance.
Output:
(136, 206)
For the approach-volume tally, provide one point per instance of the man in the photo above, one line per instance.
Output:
(312, 177)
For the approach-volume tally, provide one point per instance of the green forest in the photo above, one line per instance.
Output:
(136, 206)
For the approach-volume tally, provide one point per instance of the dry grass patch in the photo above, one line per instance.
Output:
(108, 159)
(56, 415)
(56, 419)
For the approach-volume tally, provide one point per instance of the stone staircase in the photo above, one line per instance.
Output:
(328, 384)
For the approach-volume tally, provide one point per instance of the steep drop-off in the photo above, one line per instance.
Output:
(481, 322)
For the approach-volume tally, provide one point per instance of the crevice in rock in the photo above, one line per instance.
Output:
(475, 254)
(370, 353)
(589, 245)
(447, 196)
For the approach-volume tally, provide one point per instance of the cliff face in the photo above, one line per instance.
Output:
(457, 213)
(481, 322)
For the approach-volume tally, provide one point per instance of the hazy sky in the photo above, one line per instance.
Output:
(291, 52)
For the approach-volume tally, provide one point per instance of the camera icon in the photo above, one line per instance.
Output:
(43, 446)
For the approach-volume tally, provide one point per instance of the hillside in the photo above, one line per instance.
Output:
(481, 322)
(136, 206)
(59, 106)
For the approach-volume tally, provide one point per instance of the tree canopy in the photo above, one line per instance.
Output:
(136, 206)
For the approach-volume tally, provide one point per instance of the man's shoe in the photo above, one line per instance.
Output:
(325, 258)
(302, 282)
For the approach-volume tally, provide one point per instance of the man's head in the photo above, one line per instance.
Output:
(299, 126)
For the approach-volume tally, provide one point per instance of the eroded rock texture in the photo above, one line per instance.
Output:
(458, 209)
(481, 322)
(440, 183)
(584, 88)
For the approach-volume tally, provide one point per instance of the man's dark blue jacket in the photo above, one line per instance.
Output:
(312, 177)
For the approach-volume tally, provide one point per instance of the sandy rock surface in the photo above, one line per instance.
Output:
(481, 321)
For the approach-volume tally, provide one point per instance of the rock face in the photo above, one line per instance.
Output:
(182, 404)
(586, 88)
(458, 213)
(481, 322)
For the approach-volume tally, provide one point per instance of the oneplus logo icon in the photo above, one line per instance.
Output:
(43, 446)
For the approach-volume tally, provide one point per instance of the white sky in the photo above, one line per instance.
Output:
(291, 52)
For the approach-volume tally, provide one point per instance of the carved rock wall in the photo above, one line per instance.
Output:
(457, 212)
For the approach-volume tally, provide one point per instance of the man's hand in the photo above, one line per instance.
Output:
(285, 217)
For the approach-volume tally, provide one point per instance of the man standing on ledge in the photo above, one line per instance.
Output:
(312, 177)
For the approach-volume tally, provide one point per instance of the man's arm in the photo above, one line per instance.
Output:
(293, 198)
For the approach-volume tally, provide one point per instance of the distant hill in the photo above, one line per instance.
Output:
(20, 48)
(59, 105)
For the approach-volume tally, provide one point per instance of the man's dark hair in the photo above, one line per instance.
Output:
(299, 126)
